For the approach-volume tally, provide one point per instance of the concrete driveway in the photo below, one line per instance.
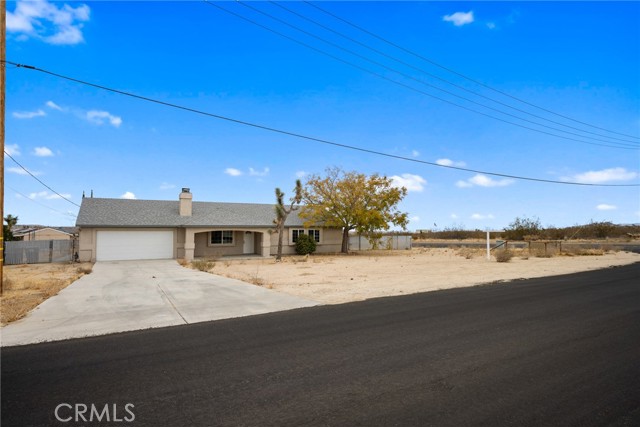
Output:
(130, 295)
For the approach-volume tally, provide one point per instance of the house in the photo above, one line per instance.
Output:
(123, 229)
(44, 233)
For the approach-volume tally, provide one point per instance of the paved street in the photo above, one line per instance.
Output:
(552, 351)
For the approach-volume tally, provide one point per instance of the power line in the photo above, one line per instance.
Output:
(306, 137)
(417, 55)
(41, 204)
(619, 146)
(400, 61)
(29, 172)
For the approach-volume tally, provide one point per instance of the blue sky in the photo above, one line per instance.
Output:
(577, 59)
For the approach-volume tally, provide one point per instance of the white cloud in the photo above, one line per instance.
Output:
(41, 194)
(602, 176)
(12, 149)
(409, 181)
(28, 114)
(48, 22)
(415, 218)
(167, 186)
(128, 195)
(449, 162)
(301, 174)
(491, 25)
(98, 117)
(48, 196)
(232, 172)
(415, 153)
(58, 196)
(42, 152)
(454, 216)
(253, 172)
(481, 180)
(20, 171)
(482, 216)
(606, 207)
(54, 106)
(459, 18)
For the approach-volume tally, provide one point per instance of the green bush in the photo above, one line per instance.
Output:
(305, 245)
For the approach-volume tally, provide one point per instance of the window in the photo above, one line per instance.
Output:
(222, 237)
(295, 234)
(314, 234)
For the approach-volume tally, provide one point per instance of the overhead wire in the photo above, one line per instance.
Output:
(306, 137)
(421, 70)
(29, 172)
(609, 143)
(38, 203)
(450, 70)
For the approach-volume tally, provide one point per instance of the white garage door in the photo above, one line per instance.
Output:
(127, 245)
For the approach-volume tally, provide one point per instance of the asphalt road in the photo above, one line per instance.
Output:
(555, 351)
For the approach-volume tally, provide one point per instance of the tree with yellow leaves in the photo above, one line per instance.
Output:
(352, 201)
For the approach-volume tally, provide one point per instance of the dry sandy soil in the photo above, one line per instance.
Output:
(26, 286)
(343, 278)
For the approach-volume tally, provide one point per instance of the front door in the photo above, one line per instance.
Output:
(249, 243)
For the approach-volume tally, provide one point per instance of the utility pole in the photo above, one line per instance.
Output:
(3, 58)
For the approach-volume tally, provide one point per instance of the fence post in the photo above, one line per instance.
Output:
(488, 247)
(50, 250)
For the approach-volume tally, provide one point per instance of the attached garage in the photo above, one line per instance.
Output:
(133, 245)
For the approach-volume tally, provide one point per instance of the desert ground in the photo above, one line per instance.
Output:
(27, 286)
(334, 279)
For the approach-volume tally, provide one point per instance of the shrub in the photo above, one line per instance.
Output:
(522, 227)
(203, 264)
(503, 256)
(305, 245)
(85, 269)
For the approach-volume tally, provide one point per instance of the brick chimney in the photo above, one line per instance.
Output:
(185, 202)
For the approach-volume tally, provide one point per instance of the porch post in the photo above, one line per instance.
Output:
(189, 244)
(266, 244)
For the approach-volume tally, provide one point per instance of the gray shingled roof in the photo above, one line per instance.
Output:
(95, 212)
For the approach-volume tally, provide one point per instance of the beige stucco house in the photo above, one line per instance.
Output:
(122, 229)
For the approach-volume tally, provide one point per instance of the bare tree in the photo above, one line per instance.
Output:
(282, 213)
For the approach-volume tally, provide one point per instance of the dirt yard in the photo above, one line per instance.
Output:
(27, 286)
(338, 279)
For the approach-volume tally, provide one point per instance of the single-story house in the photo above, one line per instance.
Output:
(44, 233)
(125, 229)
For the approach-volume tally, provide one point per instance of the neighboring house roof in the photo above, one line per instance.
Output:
(97, 212)
(24, 231)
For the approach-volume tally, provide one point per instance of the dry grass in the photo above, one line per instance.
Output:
(580, 251)
(504, 256)
(27, 286)
(470, 253)
(205, 265)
